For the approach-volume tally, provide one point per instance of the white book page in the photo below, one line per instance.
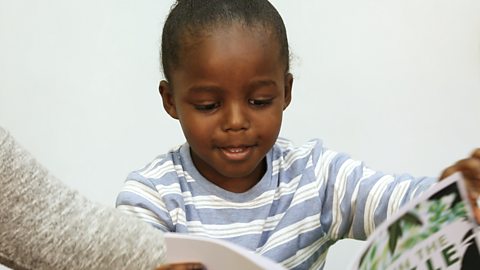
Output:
(215, 254)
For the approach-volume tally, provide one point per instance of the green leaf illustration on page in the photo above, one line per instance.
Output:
(395, 230)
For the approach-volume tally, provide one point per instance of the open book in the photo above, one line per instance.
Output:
(436, 231)
(215, 254)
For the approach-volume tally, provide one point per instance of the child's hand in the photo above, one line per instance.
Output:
(470, 168)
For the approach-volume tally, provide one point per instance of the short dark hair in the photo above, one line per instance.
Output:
(196, 16)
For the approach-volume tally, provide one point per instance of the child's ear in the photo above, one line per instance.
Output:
(288, 89)
(167, 98)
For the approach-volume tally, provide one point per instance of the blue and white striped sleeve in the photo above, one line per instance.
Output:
(140, 197)
(355, 198)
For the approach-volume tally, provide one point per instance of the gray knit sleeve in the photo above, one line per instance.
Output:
(46, 225)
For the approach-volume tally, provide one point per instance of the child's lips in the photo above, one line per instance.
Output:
(237, 153)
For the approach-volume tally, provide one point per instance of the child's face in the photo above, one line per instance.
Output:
(229, 92)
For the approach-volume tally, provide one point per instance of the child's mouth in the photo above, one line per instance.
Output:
(236, 153)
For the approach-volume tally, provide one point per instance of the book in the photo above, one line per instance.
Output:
(215, 254)
(435, 231)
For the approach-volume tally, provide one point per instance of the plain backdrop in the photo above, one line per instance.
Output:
(393, 83)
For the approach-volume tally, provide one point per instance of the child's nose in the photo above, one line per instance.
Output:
(235, 118)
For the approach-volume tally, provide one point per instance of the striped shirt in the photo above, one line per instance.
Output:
(309, 198)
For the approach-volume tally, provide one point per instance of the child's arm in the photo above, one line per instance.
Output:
(354, 198)
(358, 199)
(149, 201)
(470, 168)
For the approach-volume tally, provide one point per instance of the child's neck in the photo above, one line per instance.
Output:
(239, 185)
(236, 185)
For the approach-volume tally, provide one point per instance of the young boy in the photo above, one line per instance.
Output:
(226, 64)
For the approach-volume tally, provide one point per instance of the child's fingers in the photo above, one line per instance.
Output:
(476, 153)
(469, 167)
(449, 171)
(476, 210)
(476, 213)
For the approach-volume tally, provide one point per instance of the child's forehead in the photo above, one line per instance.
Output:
(241, 35)
(226, 54)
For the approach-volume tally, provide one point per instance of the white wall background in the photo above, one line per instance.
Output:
(393, 83)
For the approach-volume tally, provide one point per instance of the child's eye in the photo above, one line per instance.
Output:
(206, 107)
(260, 102)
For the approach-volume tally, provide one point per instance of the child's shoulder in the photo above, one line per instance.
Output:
(286, 152)
(160, 166)
(288, 146)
